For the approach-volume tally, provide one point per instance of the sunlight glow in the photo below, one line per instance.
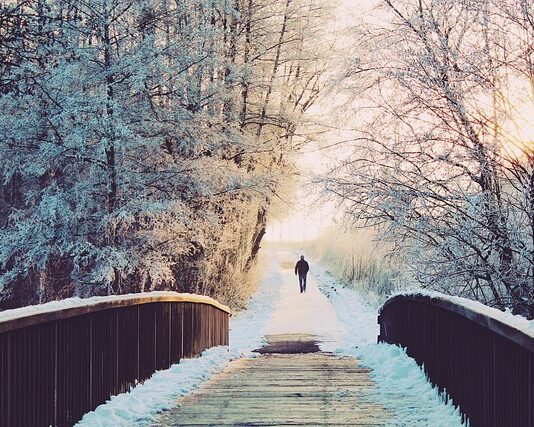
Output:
(519, 132)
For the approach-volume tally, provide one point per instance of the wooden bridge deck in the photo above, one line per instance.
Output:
(282, 389)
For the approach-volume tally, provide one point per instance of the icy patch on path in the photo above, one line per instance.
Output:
(159, 393)
(401, 385)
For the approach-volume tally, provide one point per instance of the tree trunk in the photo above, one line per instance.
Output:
(276, 64)
(110, 143)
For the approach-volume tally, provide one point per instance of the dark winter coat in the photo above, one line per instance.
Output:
(302, 267)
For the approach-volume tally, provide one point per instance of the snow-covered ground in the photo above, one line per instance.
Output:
(337, 315)
(401, 385)
(247, 330)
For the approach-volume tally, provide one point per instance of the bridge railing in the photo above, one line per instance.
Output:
(483, 358)
(58, 362)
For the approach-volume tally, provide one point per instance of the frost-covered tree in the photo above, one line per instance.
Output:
(439, 161)
(145, 142)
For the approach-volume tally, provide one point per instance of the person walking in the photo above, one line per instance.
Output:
(302, 267)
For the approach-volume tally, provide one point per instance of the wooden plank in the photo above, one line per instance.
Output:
(282, 389)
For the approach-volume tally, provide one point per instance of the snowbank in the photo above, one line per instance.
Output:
(159, 393)
(358, 316)
(402, 387)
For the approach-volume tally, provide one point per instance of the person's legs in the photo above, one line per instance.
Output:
(302, 281)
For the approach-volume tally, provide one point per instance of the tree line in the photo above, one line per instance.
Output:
(145, 143)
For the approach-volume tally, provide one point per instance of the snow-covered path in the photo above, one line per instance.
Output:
(337, 316)
(309, 313)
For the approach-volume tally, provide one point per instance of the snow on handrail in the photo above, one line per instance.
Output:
(514, 327)
(26, 316)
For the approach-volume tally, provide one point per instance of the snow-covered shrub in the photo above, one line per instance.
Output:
(354, 257)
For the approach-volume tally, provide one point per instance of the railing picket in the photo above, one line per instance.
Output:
(531, 389)
(176, 332)
(5, 381)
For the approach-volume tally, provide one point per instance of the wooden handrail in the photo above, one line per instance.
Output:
(23, 317)
(482, 357)
(63, 359)
(487, 317)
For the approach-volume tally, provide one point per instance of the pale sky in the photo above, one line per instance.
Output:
(309, 219)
